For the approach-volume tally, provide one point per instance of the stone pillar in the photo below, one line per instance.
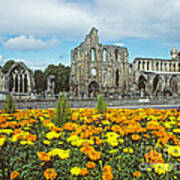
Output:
(14, 82)
(19, 83)
(159, 66)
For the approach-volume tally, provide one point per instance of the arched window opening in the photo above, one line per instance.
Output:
(139, 65)
(16, 83)
(116, 55)
(117, 78)
(104, 55)
(148, 65)
(170, 69)
(25, 84)
(165, 66)
(157, 66)
(92, 54)
(174, 67)
(21, 84)
(161, 66)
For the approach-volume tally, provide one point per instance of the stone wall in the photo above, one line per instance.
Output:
(89, 103)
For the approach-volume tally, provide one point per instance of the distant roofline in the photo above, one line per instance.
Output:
(161, 59)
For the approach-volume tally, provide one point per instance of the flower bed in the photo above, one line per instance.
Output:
(120, 144)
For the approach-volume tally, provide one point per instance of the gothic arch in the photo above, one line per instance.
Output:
(93, 89)
(174, 84)
(142, 85)
(19, 78)
(157, 85)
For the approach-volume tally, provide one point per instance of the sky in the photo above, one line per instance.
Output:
(43, 32)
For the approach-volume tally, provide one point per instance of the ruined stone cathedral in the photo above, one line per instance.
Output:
(105, 69)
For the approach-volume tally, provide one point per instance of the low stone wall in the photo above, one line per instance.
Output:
(89, 103)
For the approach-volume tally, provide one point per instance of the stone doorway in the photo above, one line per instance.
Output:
(93, 89)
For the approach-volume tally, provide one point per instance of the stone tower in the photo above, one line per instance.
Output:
(98, 69)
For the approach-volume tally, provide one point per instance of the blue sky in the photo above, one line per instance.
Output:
(42, 32)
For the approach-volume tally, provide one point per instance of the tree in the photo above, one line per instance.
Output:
(62, 74)
(9, 106)
(63, 111)
(40, 81)
(101, 106)
(8, 65)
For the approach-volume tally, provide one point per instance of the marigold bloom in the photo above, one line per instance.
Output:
(44, 156)
(50, 174)
(75, 171)
(135, 137)
(90, 165)
(94, 155)
(83, 172)
(14, 174)
(137, 174)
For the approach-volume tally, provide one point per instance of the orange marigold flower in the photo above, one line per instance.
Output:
(137, 174)
(83, 172)
(31, 137)
(90, 165)
(107, 169)
(94, 155)
(107, 176)
(136, 137)
(14, 174)
(50, 174)
(69, 126)
(44, 156)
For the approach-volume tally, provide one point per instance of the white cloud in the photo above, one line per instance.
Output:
(1, 58)
(72, 19)
(119, 44)
(29, 43)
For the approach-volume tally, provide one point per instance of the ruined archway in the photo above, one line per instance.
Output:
(142, 85)
(157, 85)
(174, 84)
(93, 89)
(19, 78)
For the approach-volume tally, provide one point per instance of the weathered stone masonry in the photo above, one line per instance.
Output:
(104, 69)
(97, 68)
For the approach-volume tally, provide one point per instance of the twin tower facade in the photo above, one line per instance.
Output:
(105, 69)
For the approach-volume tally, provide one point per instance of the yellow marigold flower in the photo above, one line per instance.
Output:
(173, 150)
(113, 151)
(161, 168)
(75, 171)
(2, 140)
(50, 174)
(121, 140)
(26, 142)
(14, 174)
(46, 142)
(52, 135)
(6, 131)
(63, 154)
(176, 131)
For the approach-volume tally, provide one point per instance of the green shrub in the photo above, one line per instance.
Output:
(101, 106)
(9, 106)
(63, 111)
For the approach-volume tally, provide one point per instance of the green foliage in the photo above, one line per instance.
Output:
(63, 111)
(9, 106)
(40, 81)
(62, 74)
(8, 65)
(101, 105)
